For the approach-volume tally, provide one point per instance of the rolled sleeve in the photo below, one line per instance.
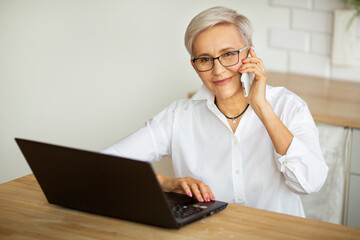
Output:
(304, 172)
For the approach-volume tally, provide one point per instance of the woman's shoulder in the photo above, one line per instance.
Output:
(202, 96)
(180, 104)
(176, 106)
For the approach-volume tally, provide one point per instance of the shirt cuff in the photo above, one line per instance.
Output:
(294, 153)
(292, 166)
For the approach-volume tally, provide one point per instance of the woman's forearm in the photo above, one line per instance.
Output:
(280, 135)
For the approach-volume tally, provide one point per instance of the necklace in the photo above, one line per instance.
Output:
(233, 118)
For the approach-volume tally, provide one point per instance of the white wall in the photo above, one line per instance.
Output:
(85, 73)
(303, 43)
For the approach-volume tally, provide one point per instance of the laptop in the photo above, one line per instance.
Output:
(109, 185)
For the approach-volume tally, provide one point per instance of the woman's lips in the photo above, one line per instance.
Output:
(222, 82)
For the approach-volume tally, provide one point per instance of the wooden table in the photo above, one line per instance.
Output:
(330, 101)
(25, 214)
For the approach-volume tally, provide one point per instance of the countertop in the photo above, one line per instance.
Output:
(330, 101)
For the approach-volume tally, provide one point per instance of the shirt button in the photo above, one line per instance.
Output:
(237, 171)
(235, 142)
(240, 199)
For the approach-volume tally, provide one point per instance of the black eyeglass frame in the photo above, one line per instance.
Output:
(218, 58)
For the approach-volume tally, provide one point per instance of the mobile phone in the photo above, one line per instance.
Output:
(246, 81)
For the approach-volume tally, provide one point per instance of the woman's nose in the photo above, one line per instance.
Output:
(218, 68)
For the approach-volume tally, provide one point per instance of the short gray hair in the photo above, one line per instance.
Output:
(212, 17)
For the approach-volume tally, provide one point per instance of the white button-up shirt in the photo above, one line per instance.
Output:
(241, 167)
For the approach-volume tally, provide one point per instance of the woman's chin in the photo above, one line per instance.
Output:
(226, 93)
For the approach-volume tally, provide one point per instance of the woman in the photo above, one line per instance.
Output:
(260, 151)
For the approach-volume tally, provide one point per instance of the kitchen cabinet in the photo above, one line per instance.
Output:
(353, 213)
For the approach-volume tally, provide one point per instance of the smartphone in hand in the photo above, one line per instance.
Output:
(246, 81)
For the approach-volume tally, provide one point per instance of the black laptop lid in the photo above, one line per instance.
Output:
(98, 183)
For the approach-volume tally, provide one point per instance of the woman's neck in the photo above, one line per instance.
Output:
(233, 105)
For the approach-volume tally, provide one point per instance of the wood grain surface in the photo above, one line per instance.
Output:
(25, 214)
(330, 101)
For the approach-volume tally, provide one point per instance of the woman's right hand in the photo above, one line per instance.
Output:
(188, 186)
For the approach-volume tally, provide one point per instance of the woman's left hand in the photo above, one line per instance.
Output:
(256, 97)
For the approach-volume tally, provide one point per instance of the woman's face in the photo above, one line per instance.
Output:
(223, 82)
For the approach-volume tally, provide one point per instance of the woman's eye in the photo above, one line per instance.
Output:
(229, 54)
(204, 60)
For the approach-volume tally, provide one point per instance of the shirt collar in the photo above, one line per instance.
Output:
(204, 94)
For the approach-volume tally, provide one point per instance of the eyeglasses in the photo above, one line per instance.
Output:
(228, 59)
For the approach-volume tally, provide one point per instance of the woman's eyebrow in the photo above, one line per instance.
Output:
(227, 49)
(203, 55)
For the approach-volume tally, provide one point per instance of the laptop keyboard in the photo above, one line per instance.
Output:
(183, 211)
(182, 206)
